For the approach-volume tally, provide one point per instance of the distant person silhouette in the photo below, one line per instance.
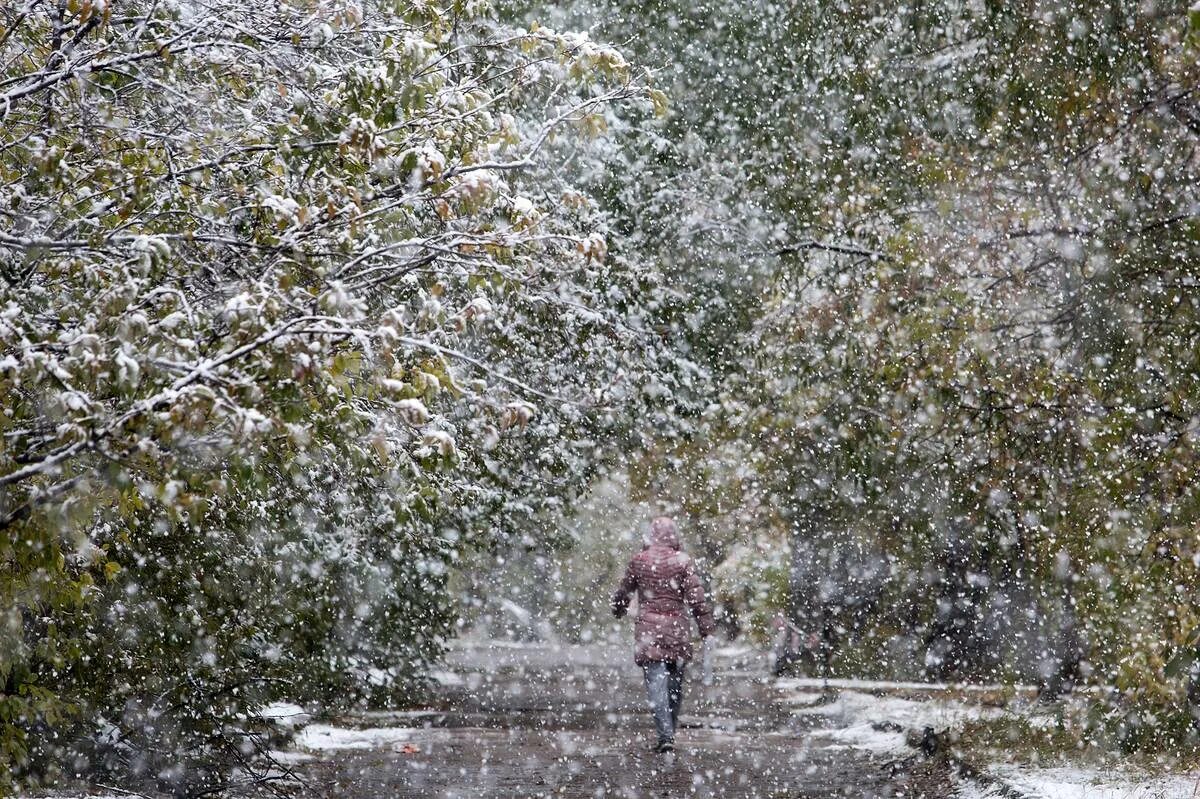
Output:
(667, 587)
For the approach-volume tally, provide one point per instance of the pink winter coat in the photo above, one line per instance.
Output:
(667, 586)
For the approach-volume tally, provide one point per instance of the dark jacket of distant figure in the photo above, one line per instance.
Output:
(667, 587)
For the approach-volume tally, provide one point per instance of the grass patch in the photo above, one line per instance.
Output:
(1061, 734)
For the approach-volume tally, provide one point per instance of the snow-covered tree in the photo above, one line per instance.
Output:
(294, 305)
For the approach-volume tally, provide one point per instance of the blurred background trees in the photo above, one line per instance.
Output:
(936, 270)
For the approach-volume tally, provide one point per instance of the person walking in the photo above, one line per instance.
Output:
(667, 588)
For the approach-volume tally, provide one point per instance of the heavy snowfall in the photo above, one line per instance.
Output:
(590, 398)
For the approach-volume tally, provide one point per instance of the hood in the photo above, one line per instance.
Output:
(662, 533)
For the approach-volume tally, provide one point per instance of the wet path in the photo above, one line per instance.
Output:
(519, 722)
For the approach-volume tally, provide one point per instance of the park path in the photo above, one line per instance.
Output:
(522, 721)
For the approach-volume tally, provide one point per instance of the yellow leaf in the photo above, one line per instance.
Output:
(658, 100)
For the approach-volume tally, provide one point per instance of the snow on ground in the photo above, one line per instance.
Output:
(1077, 783)
(289, 757)
(447, 678)
(398, 717)
(869, 722)
(322, 737)
(817, 683)
(862, 720)
(285, 714)
(866, 737)
(880, 724)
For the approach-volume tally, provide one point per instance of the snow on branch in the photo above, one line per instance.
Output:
(219, 214)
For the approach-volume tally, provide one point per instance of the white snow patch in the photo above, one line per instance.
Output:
(865, 737)
(522, 615)
(285, 714)
(853, 708)
(288, 757)
(811, 683)
(858, 719)
(805, 700)
(1079, 783)
(446, 678)
(318, 737)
